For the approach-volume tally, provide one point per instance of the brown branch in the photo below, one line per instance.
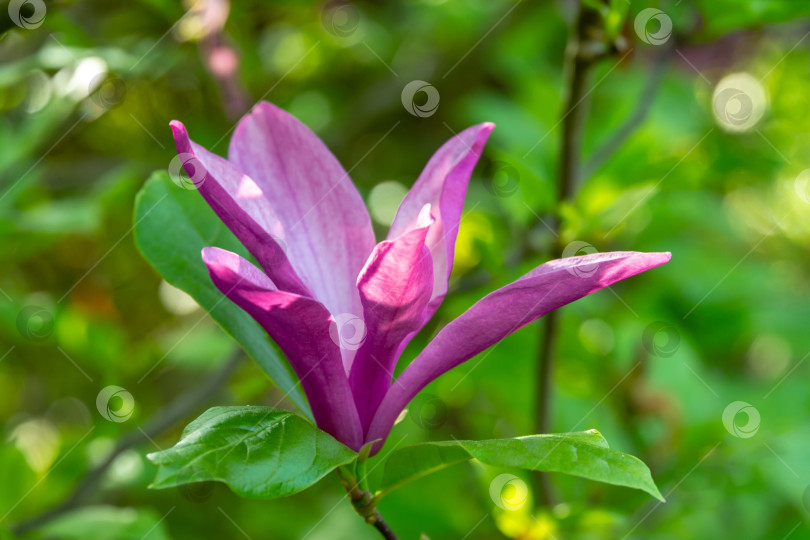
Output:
(585, 47)
(579, 63)
(380, 524)
(365, 504)
(543, 487)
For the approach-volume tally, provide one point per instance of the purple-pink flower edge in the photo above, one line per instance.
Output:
(290, 202)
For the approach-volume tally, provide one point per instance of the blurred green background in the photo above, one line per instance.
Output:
(714, 168)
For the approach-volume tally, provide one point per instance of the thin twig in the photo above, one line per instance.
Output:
(569, 178)
(582, 52)
(380, 524)
(543, 486)
(176, 411)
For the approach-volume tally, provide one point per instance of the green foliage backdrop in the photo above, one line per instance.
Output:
(696, 367)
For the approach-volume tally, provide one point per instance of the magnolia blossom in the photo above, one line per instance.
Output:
(343, 308)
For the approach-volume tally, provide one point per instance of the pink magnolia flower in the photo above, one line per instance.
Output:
(341, 308)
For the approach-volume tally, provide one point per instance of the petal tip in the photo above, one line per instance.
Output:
(664, 256)
(207, 254)
(654, 259)
(650, 259)
(178, 129)
(213, 255)
(266, 108)
(181, 139)
(262, 104)
(481, 134)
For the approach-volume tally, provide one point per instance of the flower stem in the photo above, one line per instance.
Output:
(362, 481)
(364, 503)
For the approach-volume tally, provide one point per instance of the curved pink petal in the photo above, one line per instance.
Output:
(242, 206)
(395, 288)
(547, 287)
(301, 328)
(328, 230)
(443, 185)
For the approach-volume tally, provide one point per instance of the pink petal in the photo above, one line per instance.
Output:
(443, 185)
(547, 287)
(395, 288)
(301, 328)
(242, 206)
(328, 230)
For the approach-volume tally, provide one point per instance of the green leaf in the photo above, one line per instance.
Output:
(105, 522)
(256, 451)
(584, 454)
(172, 225)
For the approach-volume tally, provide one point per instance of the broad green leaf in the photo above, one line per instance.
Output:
(256, 451)
(172, 225)
(105, 522)
(584, 454)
